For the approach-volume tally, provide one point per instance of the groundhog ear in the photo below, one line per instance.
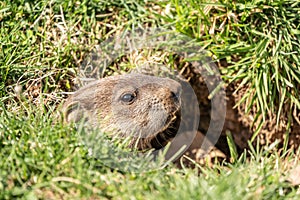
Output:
(73, 112)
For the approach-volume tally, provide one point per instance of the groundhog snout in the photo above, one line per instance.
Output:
(175, 96)
(175, 90)
(168, 94)
(175, 93)
(174, 87)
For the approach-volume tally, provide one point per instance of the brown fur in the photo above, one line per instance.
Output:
(151, 118)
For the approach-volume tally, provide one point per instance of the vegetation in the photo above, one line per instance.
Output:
(256, 44)
(259, 42)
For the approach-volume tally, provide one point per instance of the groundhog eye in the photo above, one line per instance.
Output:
(128, 98)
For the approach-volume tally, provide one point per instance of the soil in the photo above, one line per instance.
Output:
(240, 124)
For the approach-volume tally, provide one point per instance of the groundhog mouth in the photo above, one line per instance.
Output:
(162, 137)
(168, 132)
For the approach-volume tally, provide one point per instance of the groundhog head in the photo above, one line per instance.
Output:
(143, 107)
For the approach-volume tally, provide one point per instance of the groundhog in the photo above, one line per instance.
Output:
(147, 108)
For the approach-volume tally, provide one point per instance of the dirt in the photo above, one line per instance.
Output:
(240, 124)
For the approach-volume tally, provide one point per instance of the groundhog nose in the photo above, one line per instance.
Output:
(175, 90)
(176, 93)
(175, 96)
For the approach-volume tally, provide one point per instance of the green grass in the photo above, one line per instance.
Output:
(44, 42)
(39, 159)
(259, 40)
